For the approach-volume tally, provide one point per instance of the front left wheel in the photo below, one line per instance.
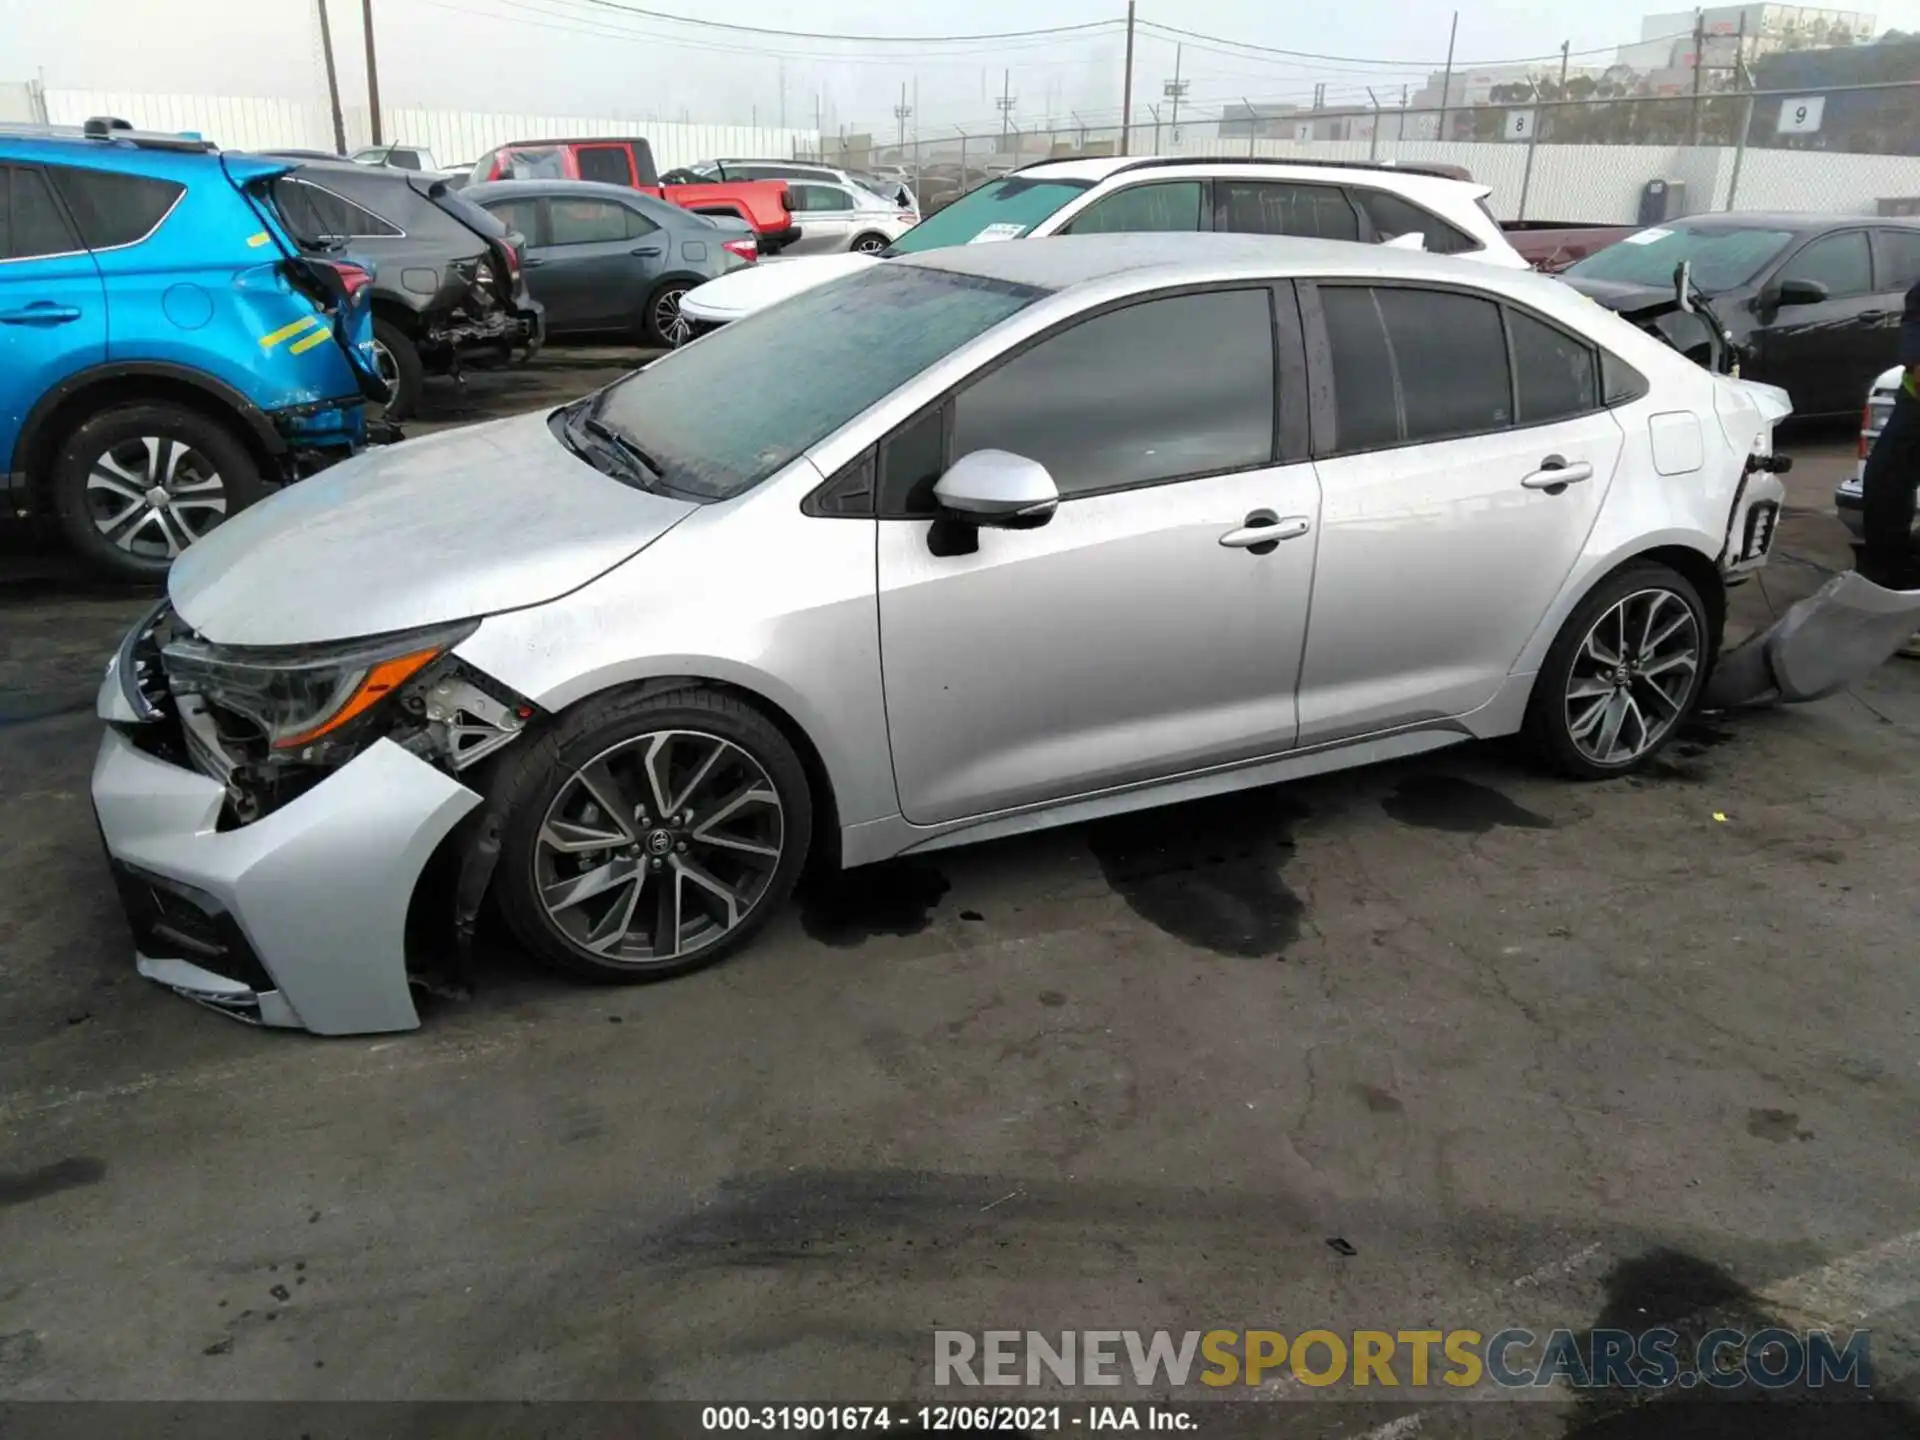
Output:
(664, 325)
(650, 836)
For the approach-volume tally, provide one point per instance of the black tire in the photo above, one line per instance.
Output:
(1549, 724)
(541, 771)
(654, 322)
(869, 244)
(406, 373)
(109, 444)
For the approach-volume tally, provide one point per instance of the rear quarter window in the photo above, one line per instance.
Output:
(111, 208)
(1393, 216)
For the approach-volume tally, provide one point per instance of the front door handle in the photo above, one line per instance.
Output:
(1263, 532)
(1555, 474)
(1874, 317)
(40, 314)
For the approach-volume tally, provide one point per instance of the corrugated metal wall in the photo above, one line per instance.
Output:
(263, 123)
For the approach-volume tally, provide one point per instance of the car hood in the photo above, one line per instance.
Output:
(758, 286)
(1622, 296)
(470, 522)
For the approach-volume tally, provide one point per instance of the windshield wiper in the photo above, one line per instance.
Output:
(635, 465)
(624, 443)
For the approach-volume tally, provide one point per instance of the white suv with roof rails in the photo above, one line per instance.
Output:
(1327, 200)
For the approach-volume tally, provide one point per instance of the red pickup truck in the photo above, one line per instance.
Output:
(617, 160)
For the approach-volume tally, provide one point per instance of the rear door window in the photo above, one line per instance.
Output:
(1413, 366)
(31, 225)
(592, 222)
(1259, 207)
(1168, 205)
(609, 164)
(1896, 258)
(111, 208)
(1555, 373)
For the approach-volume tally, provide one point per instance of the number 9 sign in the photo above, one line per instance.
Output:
(1802, 116)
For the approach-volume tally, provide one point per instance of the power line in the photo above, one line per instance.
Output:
(1381, 61)
(826, 35)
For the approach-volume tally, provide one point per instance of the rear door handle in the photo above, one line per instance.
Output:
(1874, 317)
(647, 251)
(1555, 474)
(1264, 530)
(531, 263)
(40, 314)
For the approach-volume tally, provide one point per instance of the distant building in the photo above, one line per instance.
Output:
(1666, 40)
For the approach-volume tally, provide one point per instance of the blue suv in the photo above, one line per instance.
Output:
(167, 354)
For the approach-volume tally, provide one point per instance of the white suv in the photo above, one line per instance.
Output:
(1366, 203)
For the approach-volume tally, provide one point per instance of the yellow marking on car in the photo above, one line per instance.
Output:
(319, 337)
(256, 241)
(286, 332)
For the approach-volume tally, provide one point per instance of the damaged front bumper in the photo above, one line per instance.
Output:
(296, 920)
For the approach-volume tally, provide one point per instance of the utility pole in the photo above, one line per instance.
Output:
(1446, 85)
(1565, 51)
(1174, 89)
(1154, 110)
(373, 71)
(900, 113)
(1006, 102)
(1699, 44)
(333, 82)
(783, 95)
(1126, 87)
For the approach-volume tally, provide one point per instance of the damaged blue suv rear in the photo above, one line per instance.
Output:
(167, 354)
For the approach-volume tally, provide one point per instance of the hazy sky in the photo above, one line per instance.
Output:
(579, 57)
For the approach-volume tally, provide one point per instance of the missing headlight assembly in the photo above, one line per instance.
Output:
(271, 722)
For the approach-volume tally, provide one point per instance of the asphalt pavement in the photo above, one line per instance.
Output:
(1445, 1042)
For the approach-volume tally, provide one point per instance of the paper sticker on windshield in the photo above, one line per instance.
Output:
(1002, 231)
(1646, 237)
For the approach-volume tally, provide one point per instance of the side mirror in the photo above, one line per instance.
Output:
(994, 488)
(1796, 292)
(1412, 240)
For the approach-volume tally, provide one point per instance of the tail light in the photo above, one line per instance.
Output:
(513, 261)
(353, 278)
(1866, 424)
(748, 249)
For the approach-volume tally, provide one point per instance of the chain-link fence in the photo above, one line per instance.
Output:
(1601, 160)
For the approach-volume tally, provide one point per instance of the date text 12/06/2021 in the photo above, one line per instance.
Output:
(947, 1419)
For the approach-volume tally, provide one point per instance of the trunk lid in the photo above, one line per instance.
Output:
(744, 291)
(470, 522)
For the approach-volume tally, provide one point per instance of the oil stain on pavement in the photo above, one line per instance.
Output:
(895, 897)
(19, 1186)
(1447, 802)
(1207, 873)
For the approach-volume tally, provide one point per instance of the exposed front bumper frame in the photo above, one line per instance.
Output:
(320, 888)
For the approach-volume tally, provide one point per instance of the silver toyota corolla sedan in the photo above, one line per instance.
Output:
(1039, 533)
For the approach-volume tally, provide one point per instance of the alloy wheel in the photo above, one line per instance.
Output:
(658, 847)
(668, 322)
(386, 366)
(152, 496)
(1632, 676)
(869, 245)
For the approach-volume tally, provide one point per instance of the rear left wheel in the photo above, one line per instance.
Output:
(652, 836)
(870, 244)
(1626, 669)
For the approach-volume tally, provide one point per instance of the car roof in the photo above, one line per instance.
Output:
(581, 189)
(1060, 262)
(1800, 222)
(1097, 168)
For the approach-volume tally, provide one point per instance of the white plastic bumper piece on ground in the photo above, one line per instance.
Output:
(1839, 634)
(319, 888)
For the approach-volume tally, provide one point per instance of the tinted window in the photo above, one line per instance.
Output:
(1554, 371)
(1173, 206)
(1259, 208)
(1838, 262)
(541, 163)
(819, 198)
(1619, 381)
(1415, 365)
(521, 215)
(1393, 216)
(1106, 404)
(33, 224)
(911, 462)
(113, 209)
(592, 222)
(1898, 261)
(606, 163)
(863, 337)
(314, 213)
(1722, 256)
(1000, 210)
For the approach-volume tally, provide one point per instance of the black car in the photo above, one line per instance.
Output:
(447, 281)
(605, 260)
(1812, 301)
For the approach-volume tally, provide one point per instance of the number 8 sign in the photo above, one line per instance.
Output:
(1519, 125)
(1802, 116)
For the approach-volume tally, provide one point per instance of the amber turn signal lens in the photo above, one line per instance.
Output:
(380, 682)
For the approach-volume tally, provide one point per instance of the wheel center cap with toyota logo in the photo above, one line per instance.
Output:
(659, 842)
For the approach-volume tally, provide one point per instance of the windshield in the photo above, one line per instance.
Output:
(1723, 256)
(862, 337)
(999, 210)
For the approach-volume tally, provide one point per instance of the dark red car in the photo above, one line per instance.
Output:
(628, 160)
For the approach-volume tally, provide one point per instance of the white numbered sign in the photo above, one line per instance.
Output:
(1519, 125)
(1801, 117)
